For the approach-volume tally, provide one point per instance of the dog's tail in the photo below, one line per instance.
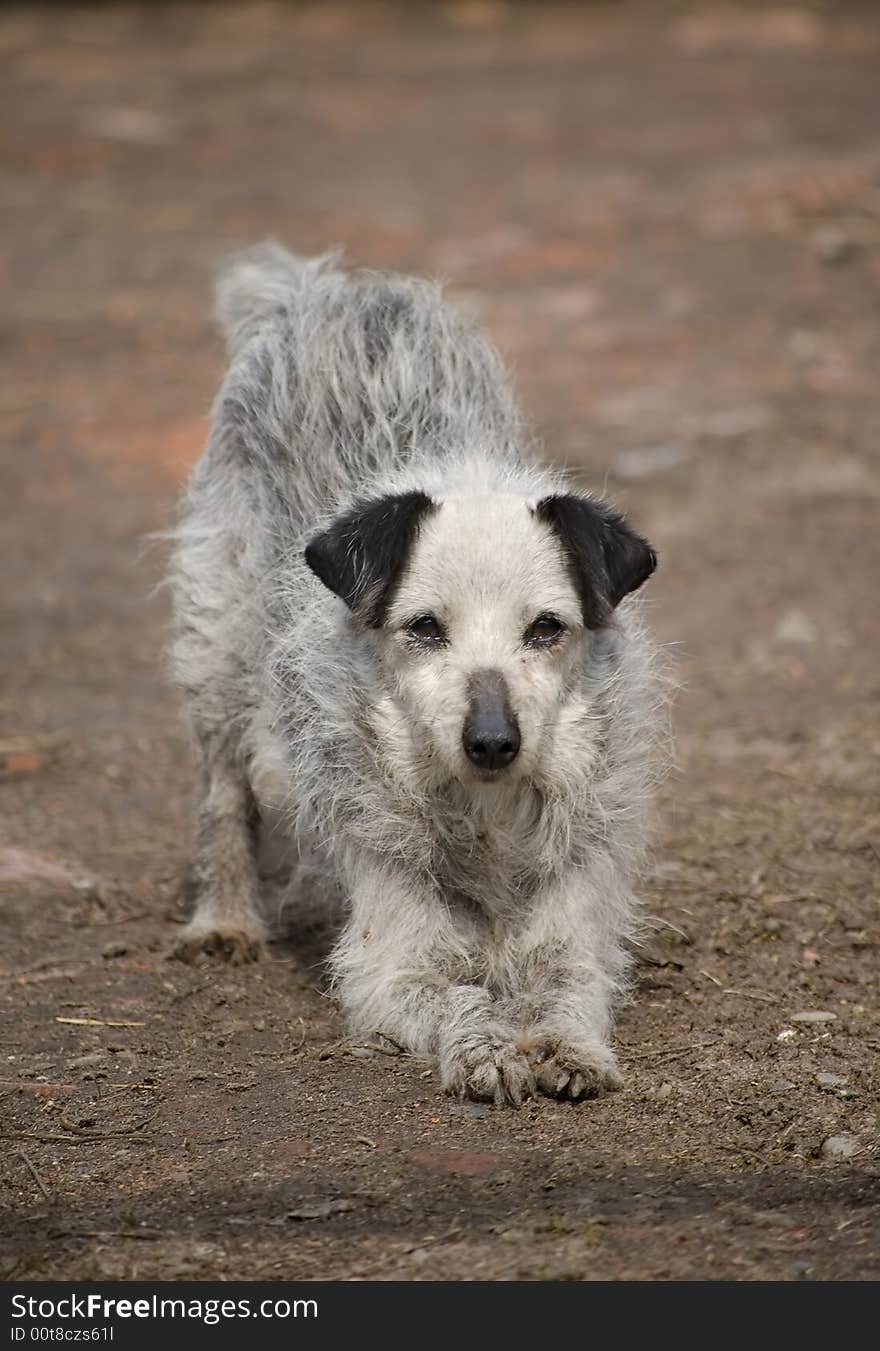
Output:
(258, 285)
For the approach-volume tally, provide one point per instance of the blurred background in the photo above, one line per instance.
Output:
(667, 217)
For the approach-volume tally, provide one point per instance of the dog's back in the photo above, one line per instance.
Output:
(339, 380)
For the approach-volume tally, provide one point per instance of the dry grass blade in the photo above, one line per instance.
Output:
(98, 1022)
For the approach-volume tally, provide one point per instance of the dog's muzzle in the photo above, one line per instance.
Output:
(490, 736)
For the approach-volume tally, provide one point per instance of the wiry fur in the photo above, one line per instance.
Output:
(487, 923)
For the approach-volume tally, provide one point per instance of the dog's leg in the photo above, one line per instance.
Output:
(570, 971)
(226, 923)
(404, 967)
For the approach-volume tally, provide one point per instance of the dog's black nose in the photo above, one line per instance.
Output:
(491, 736)
(491, 745)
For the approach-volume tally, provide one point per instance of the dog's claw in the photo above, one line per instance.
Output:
(489, 1071)
(573, 1072)
(235, 947)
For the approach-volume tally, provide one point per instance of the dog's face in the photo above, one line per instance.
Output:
(482, 606)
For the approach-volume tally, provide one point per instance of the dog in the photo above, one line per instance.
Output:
(398, 629)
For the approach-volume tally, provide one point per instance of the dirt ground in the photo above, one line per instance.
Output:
(668, 217)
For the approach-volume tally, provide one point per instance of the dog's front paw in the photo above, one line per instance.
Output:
(234, 943)
(489, 1069)
(566, 1069)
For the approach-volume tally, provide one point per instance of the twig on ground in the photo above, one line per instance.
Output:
(144, 1234)
(654, 921)
(346, 1046)
(35, 975)
(116, 1089)
(109, 923)
(69, 1139)
(98, 1022)
(34, 1174)
(753, 994)
(744, 994)
(40, 1088)
(90, 1134)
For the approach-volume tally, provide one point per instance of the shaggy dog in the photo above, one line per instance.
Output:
(397, 628)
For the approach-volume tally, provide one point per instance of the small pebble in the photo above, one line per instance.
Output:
(813, 1016)
(796, 627)
(839, 1147)
(831, 1080)
(781, 1086)
(116, 949)
(833, 245)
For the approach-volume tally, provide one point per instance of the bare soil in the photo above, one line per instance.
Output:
(668, 216)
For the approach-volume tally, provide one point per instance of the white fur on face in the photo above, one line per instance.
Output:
(486, 569)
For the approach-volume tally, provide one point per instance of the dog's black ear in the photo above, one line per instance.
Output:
(608, 558)
(360, 555)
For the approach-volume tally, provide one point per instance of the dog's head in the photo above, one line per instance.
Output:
(482, 606)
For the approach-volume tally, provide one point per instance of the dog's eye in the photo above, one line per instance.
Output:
(427, 629)
(545, 630)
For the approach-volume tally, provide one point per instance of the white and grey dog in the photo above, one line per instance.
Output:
(396, 625)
